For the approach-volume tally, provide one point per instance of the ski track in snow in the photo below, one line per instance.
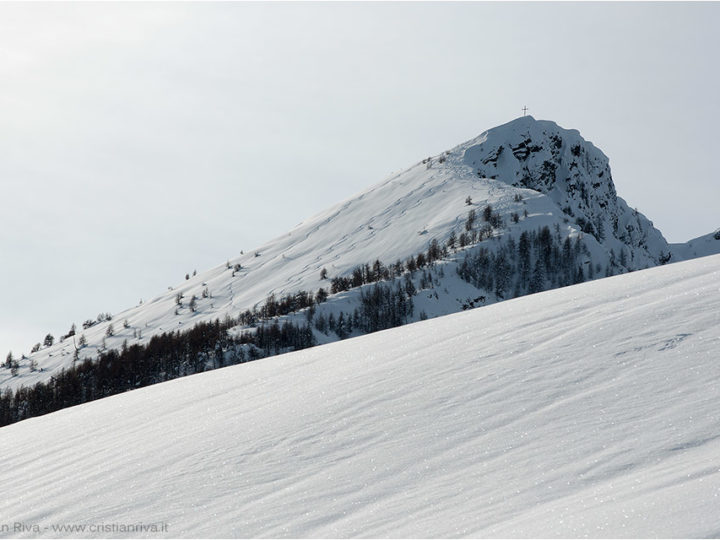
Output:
(584, 411)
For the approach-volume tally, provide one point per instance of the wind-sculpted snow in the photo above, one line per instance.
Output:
(584, 411)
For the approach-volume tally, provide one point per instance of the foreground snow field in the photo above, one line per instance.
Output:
(590, 410)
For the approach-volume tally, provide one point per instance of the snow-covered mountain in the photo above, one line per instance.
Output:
(518, 178)
(585, 411)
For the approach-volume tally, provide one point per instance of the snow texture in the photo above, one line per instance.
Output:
(584, 411)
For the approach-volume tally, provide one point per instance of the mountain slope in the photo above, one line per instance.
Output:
(589, 410)
(708, 244)
(532, 173)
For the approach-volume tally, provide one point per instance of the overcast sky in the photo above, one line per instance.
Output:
(141, 141)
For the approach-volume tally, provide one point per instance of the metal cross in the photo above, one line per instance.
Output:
(524, 109)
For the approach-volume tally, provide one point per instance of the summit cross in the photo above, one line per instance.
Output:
(524, 110)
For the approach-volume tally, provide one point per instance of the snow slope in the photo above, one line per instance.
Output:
(584, 411)
(708, 244)
(563, 180)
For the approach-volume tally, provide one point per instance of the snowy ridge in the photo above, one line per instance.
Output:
(584, 411)
(546, 175)
(708, 244)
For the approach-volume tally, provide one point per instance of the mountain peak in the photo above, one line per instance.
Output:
(519, 121)
(537, 154)
(529, 122)
(544, 157)
(529, 118)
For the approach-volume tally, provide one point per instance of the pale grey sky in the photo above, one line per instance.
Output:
(141, 141)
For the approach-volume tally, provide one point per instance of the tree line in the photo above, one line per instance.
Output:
(166, 356)
(538, 261)
(381, 306)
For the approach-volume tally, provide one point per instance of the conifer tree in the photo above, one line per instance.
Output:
(452, 240)
(537, 283)
(470, 221)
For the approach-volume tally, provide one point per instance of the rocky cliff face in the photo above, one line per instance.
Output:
(541, 156)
